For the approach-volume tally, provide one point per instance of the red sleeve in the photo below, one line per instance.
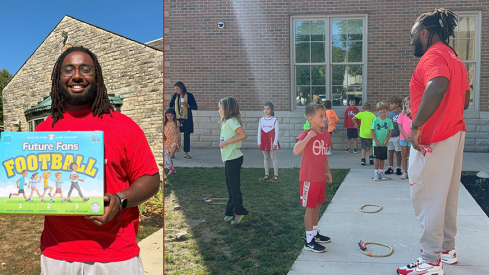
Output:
(435, 66)
(302, 135)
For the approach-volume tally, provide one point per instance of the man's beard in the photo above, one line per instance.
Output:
(78, 100)
(418, 48)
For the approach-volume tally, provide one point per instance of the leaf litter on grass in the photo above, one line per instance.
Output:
(266, 242)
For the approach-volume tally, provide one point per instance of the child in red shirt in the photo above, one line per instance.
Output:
(351, 131)
(314, 173)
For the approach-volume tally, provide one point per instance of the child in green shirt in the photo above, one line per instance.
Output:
(232, 134)
(381, 131)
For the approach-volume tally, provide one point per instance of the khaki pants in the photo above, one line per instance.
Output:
(435, 183)
(57, 267)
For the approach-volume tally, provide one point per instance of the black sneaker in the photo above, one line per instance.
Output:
(314, 246)
(321, 239)
(363, 162)
(389, 171)
(371, 160)
(398, 171)
(355, 151)
(348, 150)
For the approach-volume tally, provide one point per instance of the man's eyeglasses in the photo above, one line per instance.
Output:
(69, 70)
(413, 33)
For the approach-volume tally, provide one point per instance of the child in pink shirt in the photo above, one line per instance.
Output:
(404, 124)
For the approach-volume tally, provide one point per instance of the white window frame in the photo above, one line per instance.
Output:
(328, 50)
(477, 55)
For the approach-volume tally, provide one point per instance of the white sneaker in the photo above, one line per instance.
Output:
(404, 176)
(376, 176)
(449, 256)
(420, 266)
(329, 153)
(382, 176)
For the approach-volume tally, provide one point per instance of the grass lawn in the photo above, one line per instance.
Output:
(267, 241)
(20, 236)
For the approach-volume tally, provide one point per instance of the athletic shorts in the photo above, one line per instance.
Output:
(393, 144)
(58, 191)
(312, 193)
(404, 143)
(21, 191)
(352, 133)
(380, 152)
(46, 188)
(366, 143)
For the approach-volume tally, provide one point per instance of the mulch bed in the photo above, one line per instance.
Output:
(478, 188)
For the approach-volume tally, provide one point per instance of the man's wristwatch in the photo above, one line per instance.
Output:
(123, 200)
(414, 127)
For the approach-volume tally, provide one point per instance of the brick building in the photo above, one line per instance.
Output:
(132, 72)
(275, 49)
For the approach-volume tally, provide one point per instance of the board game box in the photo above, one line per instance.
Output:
(52, 173)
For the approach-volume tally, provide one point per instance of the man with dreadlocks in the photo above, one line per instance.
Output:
(98, 244)
(439, 95)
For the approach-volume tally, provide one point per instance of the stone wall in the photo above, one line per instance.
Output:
(207, 130)
(131, 69)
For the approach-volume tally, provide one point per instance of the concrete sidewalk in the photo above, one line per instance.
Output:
(395, 225)
(152, 253)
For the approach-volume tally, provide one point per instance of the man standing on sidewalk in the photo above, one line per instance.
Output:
(439, 94)
(105, 244)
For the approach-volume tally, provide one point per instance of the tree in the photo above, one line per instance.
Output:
(5, 77)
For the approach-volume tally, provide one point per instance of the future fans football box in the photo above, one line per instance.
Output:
(52, 173)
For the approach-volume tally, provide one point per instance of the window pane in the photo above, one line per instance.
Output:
(355, 75)
(356, 92)
(318, 75)
(303, 75)
(355, 52)
(339, 96)
(317, 52)
(338, 77)
(466, 27)
(318, 30)
(302, 95)
(339, 30)
(319, 91)
(302, 53)
(466, 48)
(302, 32)
(339, 52)
(355, 29)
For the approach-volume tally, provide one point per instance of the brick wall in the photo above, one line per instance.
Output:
(250, 57)
(130, 69)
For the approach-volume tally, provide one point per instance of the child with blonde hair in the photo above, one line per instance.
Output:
(231, 137)
(404, 123)
(381, 132)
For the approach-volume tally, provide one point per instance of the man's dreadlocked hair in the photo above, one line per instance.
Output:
(440, 21)
(101, 104)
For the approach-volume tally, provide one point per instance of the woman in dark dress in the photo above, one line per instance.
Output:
(184, 103)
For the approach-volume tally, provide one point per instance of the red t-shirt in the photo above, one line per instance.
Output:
(440, 60)
(314, 157)
(349, 114)
(128, 157)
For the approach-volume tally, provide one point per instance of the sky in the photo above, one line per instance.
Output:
(26, 23)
